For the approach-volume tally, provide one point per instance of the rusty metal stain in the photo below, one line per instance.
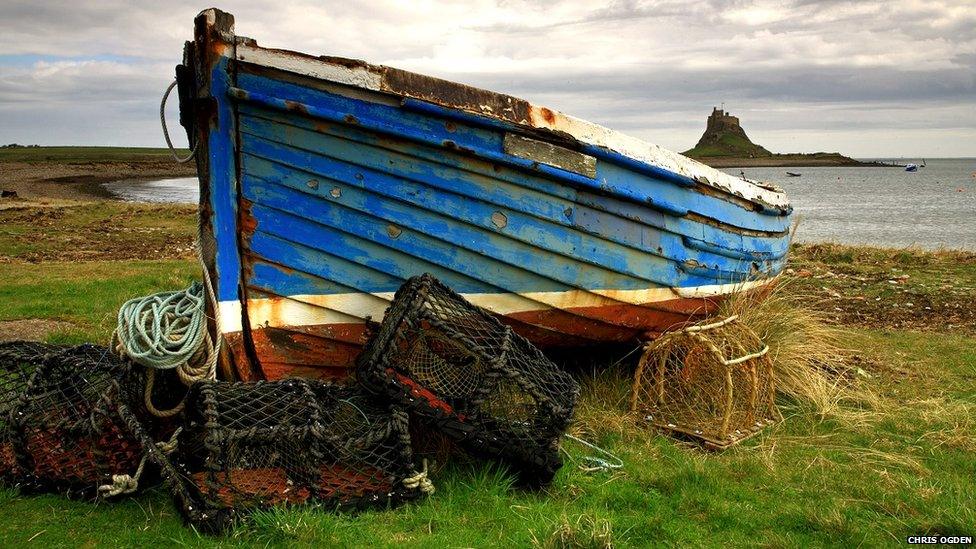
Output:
(312, 184)
(393, 231)
(549, 154)
(247, 223)
(453, 94)
(447, 143)
(499, 220)
(296, 106)
(336, 192)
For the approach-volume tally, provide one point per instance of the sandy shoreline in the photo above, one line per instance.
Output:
(35, 181)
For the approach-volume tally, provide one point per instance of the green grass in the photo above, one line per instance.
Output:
(86, 295)
(893, 288)
(809, 481)
(727, 144)
(85, 154)
(98, 230)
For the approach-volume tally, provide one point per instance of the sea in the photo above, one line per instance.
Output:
(933, 208)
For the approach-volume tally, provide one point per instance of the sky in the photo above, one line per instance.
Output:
(868, 79)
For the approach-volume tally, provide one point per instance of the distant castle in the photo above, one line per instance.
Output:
(721, 120)
(725, 137)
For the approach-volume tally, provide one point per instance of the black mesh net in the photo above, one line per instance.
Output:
(63, 425)
(252, 445)
(469, 376)
(18, 361)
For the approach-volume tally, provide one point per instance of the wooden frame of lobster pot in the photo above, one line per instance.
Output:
(711, 382)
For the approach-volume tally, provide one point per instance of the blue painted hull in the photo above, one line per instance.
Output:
(323, 198)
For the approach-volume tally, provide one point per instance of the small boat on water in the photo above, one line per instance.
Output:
(327, 182)
(793, 174)
(911, 167)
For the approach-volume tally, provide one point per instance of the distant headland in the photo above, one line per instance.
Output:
(725, 145)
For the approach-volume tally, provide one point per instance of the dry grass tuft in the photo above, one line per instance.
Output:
(585, 531)
(603, 405)
(813, 366)
(953, 423)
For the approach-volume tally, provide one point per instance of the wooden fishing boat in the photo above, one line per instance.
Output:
(327, 182)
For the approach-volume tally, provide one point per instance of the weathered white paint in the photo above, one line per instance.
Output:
(353, 308)
(358, 76)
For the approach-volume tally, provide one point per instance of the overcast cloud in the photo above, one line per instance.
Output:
(894, 78)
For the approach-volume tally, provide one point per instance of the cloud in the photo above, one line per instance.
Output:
(801, 74)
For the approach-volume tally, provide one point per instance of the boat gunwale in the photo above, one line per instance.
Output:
(495, 106)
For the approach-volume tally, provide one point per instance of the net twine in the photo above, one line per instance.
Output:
(465, 374)
(688, 376)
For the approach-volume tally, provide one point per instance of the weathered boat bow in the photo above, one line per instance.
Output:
(327, 182)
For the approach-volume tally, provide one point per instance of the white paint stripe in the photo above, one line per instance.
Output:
(358, 76)
(230, 316)
(352, 308)
(370, 77)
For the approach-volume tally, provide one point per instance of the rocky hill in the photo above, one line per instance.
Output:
(724, 136)
(725, 144)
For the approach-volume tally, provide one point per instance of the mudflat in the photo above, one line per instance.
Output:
(52, 174)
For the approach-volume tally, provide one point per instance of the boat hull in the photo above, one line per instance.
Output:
(325, 184)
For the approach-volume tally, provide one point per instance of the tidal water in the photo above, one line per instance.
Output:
(932, 208)
(176, 190)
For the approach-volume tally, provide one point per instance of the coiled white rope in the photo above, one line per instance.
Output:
(592, 464)
(126, 484)
(162, 120)
(169, 330)
(164, 330)
(420, 481)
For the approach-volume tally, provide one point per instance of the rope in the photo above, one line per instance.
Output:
(168, 331)
(164, 330)
(162, 120)
(712, 326)
(127, 484)
(420, 481)
(595, 463)
(147, 399)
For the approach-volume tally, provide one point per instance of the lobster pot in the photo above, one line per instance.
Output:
(18, 361)
(261, 444)
(712, 382)
(467, 375)
(67, 434)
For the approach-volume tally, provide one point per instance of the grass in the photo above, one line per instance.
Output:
(890, 288)
(85, 295)
(85, 154)
(811, 357)
(810, 481)
(819, 478)
(728, 144)
(99, 230)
